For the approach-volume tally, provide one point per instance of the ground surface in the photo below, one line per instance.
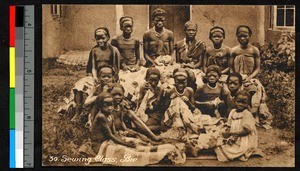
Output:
(278, 145)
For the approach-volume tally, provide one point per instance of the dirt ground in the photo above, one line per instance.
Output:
(278, 145)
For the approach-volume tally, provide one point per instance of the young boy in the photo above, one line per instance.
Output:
(208, 97)
(157, 41)
(150, 99)
(245, 58)
(242, 132)
(234, 82)
(128, 46)
(217, 54)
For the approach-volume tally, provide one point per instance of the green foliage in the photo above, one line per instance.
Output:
(278, 77)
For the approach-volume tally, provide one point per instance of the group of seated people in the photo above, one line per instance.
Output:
(212, 85)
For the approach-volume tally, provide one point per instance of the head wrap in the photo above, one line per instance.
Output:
(100, 29)
(214, 68)
(180, 72)
(240, 29)
(190, 24)
(158, 12)
(216, 29)
(124, 19)
(152, 70)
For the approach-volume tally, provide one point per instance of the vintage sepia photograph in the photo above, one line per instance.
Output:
(168, 85)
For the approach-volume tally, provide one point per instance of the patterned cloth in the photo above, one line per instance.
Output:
(142, 155)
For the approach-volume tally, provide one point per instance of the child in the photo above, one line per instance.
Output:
(150, 98)
(218, 54)
(234, 82)
(208, 97)
(103, 52)
(128, 46)
(245, 58)
(124, 116)
(190, 51)
(106, 77)
(109, 145)
(181, 115)
(244, 138)
(157, 41)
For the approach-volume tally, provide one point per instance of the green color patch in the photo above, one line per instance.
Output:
(12, 104)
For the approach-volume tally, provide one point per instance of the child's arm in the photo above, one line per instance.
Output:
(204, 66)
(137, 52)
(201, 56)
(257, 63)
(94, 70)
(231, 60)
(107, 131)
(145, 46)
(171, 44)
(226, 70)
(141, 95)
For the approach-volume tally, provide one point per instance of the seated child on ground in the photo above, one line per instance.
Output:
(217, 54)
(128, 46)
(208, 97)
(242, 132)
(150, 99)
(181, 114)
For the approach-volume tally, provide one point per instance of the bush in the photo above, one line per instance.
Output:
(278, 77)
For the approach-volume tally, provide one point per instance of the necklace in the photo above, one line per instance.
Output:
(217, 49)
(212, 87)
(179, 94)
(130, 38)
(159, 34)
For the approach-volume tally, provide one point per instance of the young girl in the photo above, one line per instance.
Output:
(245, 58)
(181, 115)
(103, 52)
(242, 132)
(115, 149)
(208, 97)
(128, 46)
(234, 82)
(217, 54)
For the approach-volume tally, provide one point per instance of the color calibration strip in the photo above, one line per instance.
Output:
(21, 63)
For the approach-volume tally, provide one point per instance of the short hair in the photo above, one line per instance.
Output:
(214, 28)
(235, 74)
(100, 98)
(247, 27)
(105, 66)
(102, 28)
(243, 93)
(158, 12)
(123, 19)
(152, 70)
(116, 85)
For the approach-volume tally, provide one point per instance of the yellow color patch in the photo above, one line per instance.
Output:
(12, 67)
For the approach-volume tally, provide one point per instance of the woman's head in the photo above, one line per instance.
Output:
(190, 29)
(213, 74)
(126, 25)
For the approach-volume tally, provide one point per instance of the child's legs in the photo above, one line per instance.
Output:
(78, 99)
(153, 124)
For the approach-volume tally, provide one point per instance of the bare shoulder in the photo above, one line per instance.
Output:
(254, 48)
(115, 38)
(190, 90)
(169, 32)
(209, 49)
(227, 48)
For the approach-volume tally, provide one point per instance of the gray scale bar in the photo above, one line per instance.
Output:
(29, 87)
